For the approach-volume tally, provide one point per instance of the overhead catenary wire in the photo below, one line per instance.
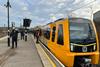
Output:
(70, 11)
(88, 4)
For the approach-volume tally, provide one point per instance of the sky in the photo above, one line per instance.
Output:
(42, 12)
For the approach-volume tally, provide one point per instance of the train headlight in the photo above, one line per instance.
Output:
(94, 47)
(72, 46)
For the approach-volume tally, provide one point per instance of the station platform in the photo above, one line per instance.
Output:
(27, 54)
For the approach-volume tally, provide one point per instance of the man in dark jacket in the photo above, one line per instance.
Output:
(14, 36)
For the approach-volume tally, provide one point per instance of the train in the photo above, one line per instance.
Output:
(74, 41)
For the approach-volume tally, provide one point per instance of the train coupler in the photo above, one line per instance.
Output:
(85, 62)
(82, 62)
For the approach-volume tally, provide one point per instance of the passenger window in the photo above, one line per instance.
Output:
(47, 33)
(53, 33)
(60, 35)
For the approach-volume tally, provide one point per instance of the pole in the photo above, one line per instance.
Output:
(8, 25)
(8, 13)
(8, 6)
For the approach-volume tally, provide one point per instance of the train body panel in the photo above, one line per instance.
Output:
(57, 36)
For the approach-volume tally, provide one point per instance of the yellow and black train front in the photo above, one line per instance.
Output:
(73, 41)
(83, 40)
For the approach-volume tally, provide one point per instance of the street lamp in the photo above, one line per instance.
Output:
(8, 6)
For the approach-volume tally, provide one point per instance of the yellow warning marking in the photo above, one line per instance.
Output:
(84, 45)
(53, 64)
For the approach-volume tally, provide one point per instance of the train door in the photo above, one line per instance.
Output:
(60, 37)
(52, 40)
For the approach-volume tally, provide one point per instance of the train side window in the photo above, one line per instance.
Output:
(47, 33)
(60, 35)
(53, 33)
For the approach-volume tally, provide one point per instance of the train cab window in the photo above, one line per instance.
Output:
(53, 33)
(60, 35)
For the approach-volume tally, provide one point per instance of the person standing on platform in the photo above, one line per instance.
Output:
(22, 34)
(25, 35)
(34, 33)
(14, 36)
(37, 36)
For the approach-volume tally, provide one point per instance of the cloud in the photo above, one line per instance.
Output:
(24, 8)
(3, 9)
(61, 5)
(96, 6)
(84, 7)
(60, 15)
(41, 11)
(21, 3)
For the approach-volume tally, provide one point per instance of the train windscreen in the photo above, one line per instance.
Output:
(81, 32)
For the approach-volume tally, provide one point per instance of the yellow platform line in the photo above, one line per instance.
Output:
(38, 45)
(53, 64)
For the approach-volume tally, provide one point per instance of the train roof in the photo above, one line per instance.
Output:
(59, 19)
(77, 18)
(96, 17)
(70, 18)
